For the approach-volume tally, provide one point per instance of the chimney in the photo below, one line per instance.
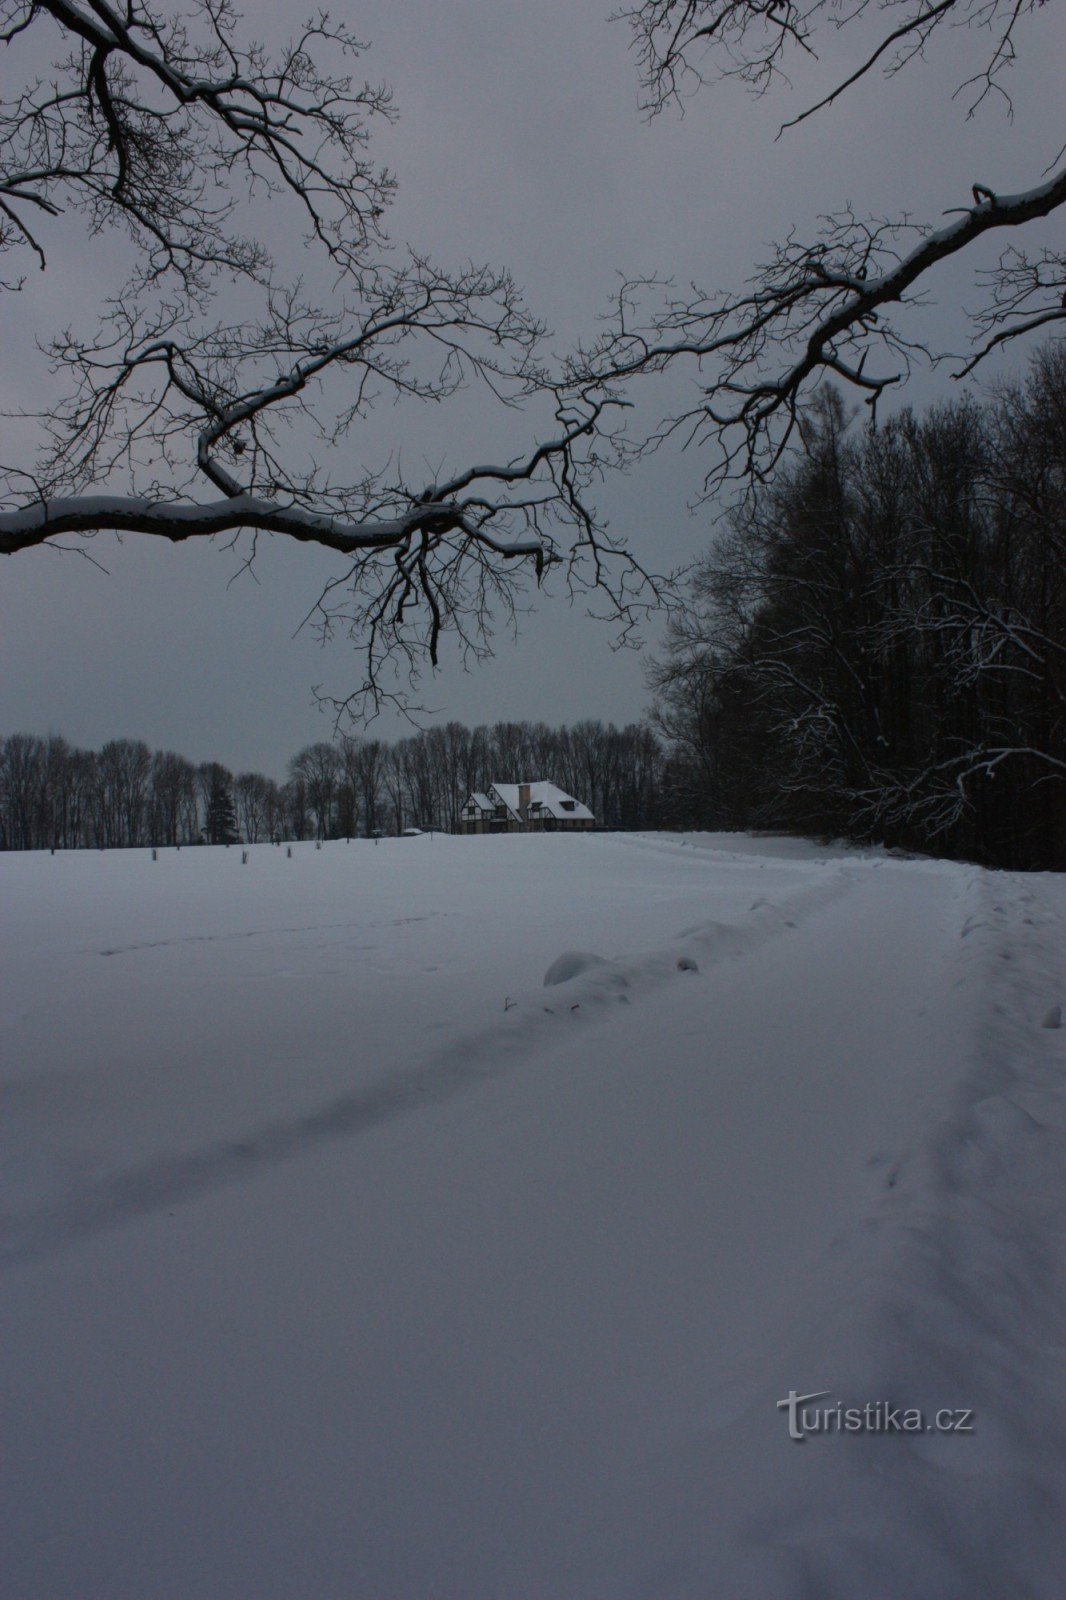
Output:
(523, 801)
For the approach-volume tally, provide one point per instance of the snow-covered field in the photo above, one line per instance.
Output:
(346, 1258)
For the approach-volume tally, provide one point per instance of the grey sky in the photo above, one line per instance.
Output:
(519, 141)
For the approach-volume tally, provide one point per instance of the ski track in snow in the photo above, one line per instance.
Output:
(514, 1316)
(118, 1196)
(270, 933)
(950, 1290)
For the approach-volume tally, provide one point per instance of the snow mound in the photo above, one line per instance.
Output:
(571, 964)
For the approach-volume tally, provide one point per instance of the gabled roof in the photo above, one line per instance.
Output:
(482, 801)
(547, 799)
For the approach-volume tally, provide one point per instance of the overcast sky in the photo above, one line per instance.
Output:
(519, 142)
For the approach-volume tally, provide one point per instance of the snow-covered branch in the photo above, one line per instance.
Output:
(832, 302)
(191, 413)
(156, 122)
(815, 311)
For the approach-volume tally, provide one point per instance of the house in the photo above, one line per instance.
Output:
(524, 808)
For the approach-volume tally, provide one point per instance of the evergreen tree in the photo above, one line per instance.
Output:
(220, 817)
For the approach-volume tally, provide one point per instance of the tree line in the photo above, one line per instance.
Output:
(55, 796)
(876, 647)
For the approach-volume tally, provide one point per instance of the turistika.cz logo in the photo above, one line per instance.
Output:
(876, 1416)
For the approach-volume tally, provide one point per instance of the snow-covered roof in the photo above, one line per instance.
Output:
(546, 798)
(482, 801)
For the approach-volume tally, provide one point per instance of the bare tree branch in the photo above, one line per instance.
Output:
(813, 310)
(818, 308)
(682, 44)
(180, 423)
(156, 122)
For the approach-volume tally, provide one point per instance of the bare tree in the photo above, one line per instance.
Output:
(124, 768)
(364, 764)
(295, 819)
(834, 302)
(318, 767)
(456, 758)
(183, 420)
(22, 771)
(256, 802)
(174, 796)
(394, 783)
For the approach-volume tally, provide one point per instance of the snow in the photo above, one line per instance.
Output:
(350, 1252)
(571, 964)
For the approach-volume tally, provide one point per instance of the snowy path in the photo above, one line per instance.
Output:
(508, 1312)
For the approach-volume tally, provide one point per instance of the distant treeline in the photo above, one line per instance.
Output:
(877, 648)
(53, 796)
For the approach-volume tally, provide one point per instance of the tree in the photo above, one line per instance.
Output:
(123, 772)
(295, 823)
(257, 803)
(877, 647)
(836, 303)
(220, 817)
(191, 411)
(364, 764)
(22, 772)
(318, 768)
(173, 802)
